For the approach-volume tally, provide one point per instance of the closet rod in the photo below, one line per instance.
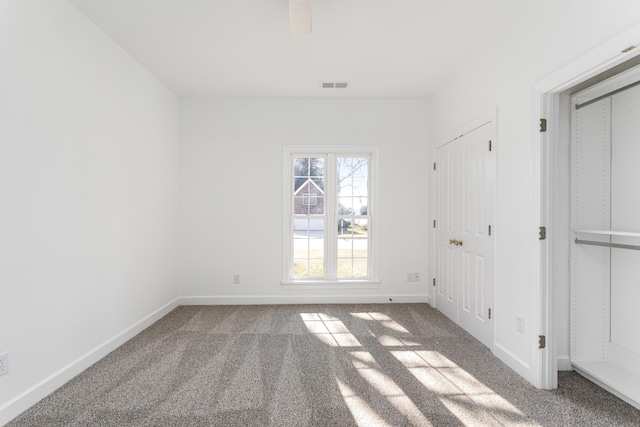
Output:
(607, 244)
(606, 95)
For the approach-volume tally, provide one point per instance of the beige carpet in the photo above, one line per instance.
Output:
(315, 365)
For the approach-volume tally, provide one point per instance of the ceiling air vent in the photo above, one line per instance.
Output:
(333, 85)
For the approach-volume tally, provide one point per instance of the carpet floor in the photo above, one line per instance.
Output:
(315, 365)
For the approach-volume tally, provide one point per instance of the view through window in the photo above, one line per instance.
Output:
(330, 218)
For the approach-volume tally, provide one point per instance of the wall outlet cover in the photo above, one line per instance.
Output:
(4, 363)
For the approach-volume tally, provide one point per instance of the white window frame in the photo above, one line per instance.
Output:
(329, 151)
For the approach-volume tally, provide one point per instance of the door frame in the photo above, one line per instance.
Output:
(546, 96)
(488, 117)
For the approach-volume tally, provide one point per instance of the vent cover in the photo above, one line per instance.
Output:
(333, 85)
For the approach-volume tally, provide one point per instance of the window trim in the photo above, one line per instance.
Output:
(371, 151)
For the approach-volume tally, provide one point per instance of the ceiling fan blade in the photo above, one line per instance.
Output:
(300, 17)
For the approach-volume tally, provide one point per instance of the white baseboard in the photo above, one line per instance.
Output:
(302, 299)
(33, 395)
(564, 363)
(521, 367)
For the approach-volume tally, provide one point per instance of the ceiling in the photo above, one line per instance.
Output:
(244, 48)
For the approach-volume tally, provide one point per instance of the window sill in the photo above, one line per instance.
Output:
(331, 284)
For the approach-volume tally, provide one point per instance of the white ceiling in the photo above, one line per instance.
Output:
(229, 48)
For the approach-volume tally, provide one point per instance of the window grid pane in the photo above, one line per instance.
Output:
(308, 248)
(308, 185)
(352, 211)
(353, 254)
(352, 185)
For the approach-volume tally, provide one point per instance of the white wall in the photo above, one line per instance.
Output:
(88, 188)
(231, 188)
(502, 75)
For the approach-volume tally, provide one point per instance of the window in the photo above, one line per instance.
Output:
(309, 199)
(328, 225)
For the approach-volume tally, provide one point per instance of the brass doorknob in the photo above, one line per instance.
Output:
(455, 242)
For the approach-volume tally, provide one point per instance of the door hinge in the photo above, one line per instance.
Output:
(542, 233)
(542, 341)
(489, 313)
(434, 223)
(489, 145)
(434, 281)
(543, 125)
(434, 165)
(489, 230)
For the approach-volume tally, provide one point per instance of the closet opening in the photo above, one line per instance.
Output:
(594, 214)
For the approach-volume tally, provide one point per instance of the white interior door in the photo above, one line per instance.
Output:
(447, 272)
(477, 281)
(463, 244)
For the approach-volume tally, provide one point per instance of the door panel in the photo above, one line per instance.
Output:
(481, 290)
(467, 282)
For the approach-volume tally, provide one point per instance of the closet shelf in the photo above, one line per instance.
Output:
(628, 233)
(618, 381)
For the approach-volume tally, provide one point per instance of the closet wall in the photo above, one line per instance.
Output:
(605, 220)
(625, 215)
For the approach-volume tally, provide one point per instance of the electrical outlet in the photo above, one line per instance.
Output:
(413, 277)
(4, 363)
(520, 324)
(236, 279)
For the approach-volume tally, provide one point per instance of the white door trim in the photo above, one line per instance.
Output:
(546, 94)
